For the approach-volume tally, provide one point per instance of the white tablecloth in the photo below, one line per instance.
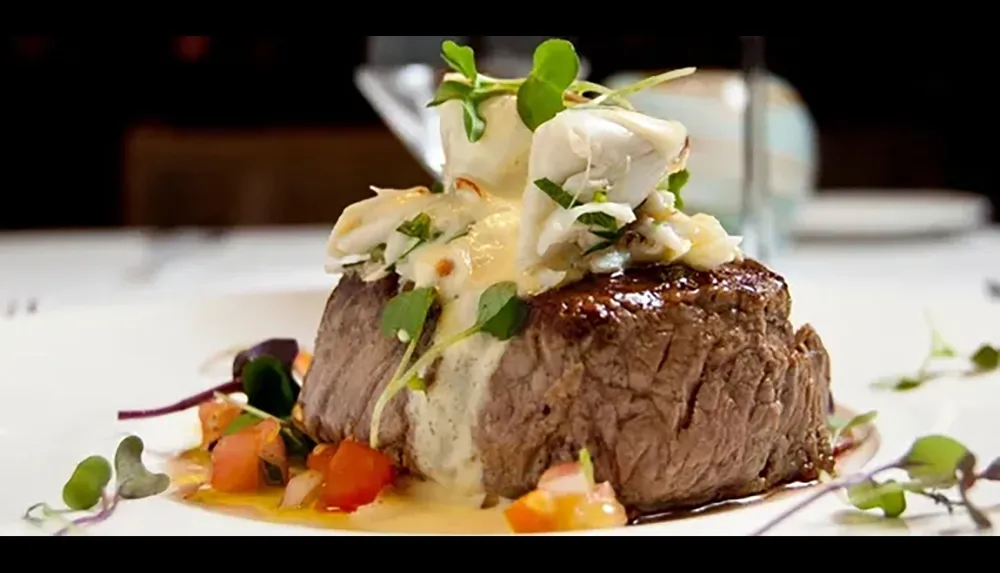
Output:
(82, 268)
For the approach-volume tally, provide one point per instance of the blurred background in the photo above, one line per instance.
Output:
(116, 132)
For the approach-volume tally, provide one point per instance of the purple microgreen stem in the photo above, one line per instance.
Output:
(108, 507)
(185, 404)
(822, 492)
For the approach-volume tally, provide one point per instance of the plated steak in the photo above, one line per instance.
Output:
(687, 387)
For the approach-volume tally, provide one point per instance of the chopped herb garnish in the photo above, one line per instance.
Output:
(598, 219)
(437, 188)
(462, 233)
(932, 464)
(86, 488)
(600, 197)
(673, 185)
(419, 227)
(562, 197)
(500, 314)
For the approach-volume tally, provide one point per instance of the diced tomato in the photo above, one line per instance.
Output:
(355, 476)
(319, 458)
(249, 459)
(271, 451)
(566, 500)
(215, 416)
(533, 513)
(236, 463)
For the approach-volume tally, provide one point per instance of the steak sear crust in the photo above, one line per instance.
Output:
(687, 387)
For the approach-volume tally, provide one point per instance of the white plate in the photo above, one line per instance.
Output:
(64, 374)
(872, 213)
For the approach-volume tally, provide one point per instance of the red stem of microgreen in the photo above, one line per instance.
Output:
(227, 388)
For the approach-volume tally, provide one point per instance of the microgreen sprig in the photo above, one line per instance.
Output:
(500, 314)
(551, 86)
(985, 359)
(87, 488)
(933, 465)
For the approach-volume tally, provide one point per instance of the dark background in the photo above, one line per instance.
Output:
(109, 131)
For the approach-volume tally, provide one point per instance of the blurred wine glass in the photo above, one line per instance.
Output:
(402, 72)
(757, 223)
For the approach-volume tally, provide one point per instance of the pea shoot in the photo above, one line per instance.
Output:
(550, 88)
(86, 488)
(500, 314)
(984, 360)
(933, 465)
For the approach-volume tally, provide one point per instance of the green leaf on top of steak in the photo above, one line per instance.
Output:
(404, 315)
(501, 313)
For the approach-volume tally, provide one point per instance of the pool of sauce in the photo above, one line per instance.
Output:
(419, 508)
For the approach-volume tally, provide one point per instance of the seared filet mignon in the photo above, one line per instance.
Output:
(686, 387)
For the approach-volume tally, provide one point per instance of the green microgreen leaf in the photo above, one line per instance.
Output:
(554, 69)
(269, 386)
(934, 460)
(500, 312)
(134, 481)
(462, 59)
(449, 90)
(840, 427)
(555, 192)
(473, 120)
(404, 316)
(587, 465)
(86, 486)
(870, 494)
(600, 197)
(986, 358)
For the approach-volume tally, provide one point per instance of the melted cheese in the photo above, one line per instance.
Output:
(502, 227)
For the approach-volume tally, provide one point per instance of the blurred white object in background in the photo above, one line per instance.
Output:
(890, 214)
(711, 104)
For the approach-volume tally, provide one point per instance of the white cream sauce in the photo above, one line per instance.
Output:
(492, 224)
